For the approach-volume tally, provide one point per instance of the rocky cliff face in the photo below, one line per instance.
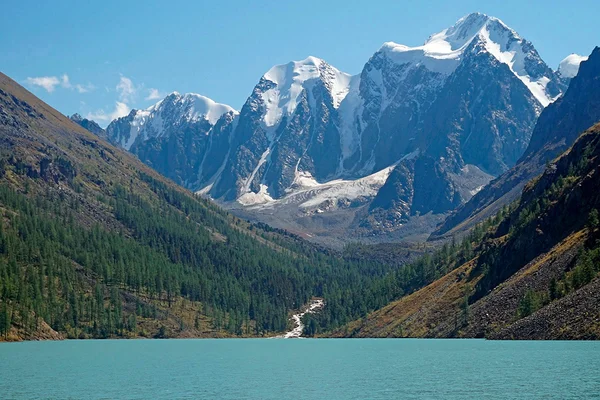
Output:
(477, 125)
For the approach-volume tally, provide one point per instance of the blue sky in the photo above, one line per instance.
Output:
(102, 58)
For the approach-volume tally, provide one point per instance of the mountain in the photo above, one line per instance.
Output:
(88, 124)
(288, 130)
(557, 128)
(493, 86)
(95, 244)
(393, 149)
(531, 272)
(173, 135)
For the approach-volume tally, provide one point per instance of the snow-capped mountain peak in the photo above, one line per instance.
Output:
(465, 29)
(444, 51)
(569, 67)
(288, 81)
(169, 112)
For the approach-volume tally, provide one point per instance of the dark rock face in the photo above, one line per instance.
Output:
(88, 124)
(393, 109)
(483, 116)
(219, 144)
(577, 110)
(248, 144)
(178, 155)
(556, 130)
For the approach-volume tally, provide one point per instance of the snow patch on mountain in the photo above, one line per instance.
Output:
(569, 67)
(504, 44)
(443, 51)
(261, 161)
(308, 193)
(198, 106)
(251, 198)
(348, 189)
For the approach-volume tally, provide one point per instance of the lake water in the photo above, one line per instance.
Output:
(299, 369)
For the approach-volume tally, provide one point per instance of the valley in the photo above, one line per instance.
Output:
(448, 190)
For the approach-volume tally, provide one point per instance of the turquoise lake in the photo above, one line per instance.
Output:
(299, 369)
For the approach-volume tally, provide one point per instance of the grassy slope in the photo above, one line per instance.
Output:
(417, 314)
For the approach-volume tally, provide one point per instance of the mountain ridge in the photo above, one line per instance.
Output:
(459, 109)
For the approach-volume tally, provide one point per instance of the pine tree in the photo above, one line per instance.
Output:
(593, 220)
(4, 320)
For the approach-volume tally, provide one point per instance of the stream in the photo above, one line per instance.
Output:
(313, 306)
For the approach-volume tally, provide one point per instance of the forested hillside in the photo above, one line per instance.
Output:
(95, 244)
(532, 275)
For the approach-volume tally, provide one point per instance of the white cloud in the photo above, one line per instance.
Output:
(46, 82)
(127, 94)
(153, 94)
(84, 88)
(51, 82)
(127, 91)
(121, 110)
(64, 81)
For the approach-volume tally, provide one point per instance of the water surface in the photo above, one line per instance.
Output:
(299, 369)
